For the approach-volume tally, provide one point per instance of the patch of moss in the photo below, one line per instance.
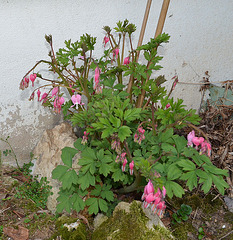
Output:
(129, 226)
(27, 205)
(196, 201)
(73, 234)
(40, 221)
(181, 231)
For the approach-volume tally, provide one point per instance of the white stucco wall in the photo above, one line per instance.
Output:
(201, 40)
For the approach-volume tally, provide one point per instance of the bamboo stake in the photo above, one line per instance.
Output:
(143, 28)
(159, 30)
(162, 17)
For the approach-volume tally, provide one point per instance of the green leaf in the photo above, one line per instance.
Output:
(123, 94)
(89, 153)
(105, 169)
(207, 185)
(79, 145)
(132, 114)
(103, 205)
(100, 154)
(67, 155)
(94, 206)
(180, 143)
(213, 169)
(105, 121)
(187, 165)
(119, 86)
(185, 218)
(68, 179)
(173, 188)
(107, 132)
(96, 192)
(173, 172)
(192, 181)
(107, 195)
(123, 132)
(168, 148)
(201, 174)
(219, 183)
(78, 203)
(86, 180)
(64, 203)
(147, 55)
(116, 122)
(118, 175)
(167, 134)
(59, 171)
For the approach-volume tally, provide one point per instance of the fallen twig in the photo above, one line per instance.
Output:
(226, 235)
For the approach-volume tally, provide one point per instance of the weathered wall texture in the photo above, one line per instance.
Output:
(201, 39)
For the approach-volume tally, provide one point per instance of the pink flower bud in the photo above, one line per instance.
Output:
(198, 140)
(26, 82)
(54, 91)
(150, 198)
(106, 40)
(190, 137)
(131, 166)
(168, 105)
(115, 53)
(33, 78)
(149, 188)
(44, 97)
(126, 61)
(97, 75)
(38, 94)
(124, 164)
(57, 104)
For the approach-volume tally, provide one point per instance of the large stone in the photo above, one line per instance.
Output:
(129, 222)
(47, 155)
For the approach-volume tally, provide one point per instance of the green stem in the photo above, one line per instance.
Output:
(16, 160)
(133, 187)
(153, 118)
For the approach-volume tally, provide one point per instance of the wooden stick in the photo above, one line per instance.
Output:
(162, 17)
(143, 28)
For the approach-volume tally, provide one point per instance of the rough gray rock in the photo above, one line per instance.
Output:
(229, 203)
(99, 219)
(47, 155)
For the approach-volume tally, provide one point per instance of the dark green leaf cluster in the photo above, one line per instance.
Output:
(182, 214)
(109, 116)
(95, 166)
(67, 55)
(155, 42)
(125, 27)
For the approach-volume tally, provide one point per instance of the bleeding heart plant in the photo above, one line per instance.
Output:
(129, 125)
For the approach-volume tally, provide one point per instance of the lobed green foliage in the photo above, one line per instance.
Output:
(182, 214)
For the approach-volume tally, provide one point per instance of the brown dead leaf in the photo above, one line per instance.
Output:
(17, 234)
